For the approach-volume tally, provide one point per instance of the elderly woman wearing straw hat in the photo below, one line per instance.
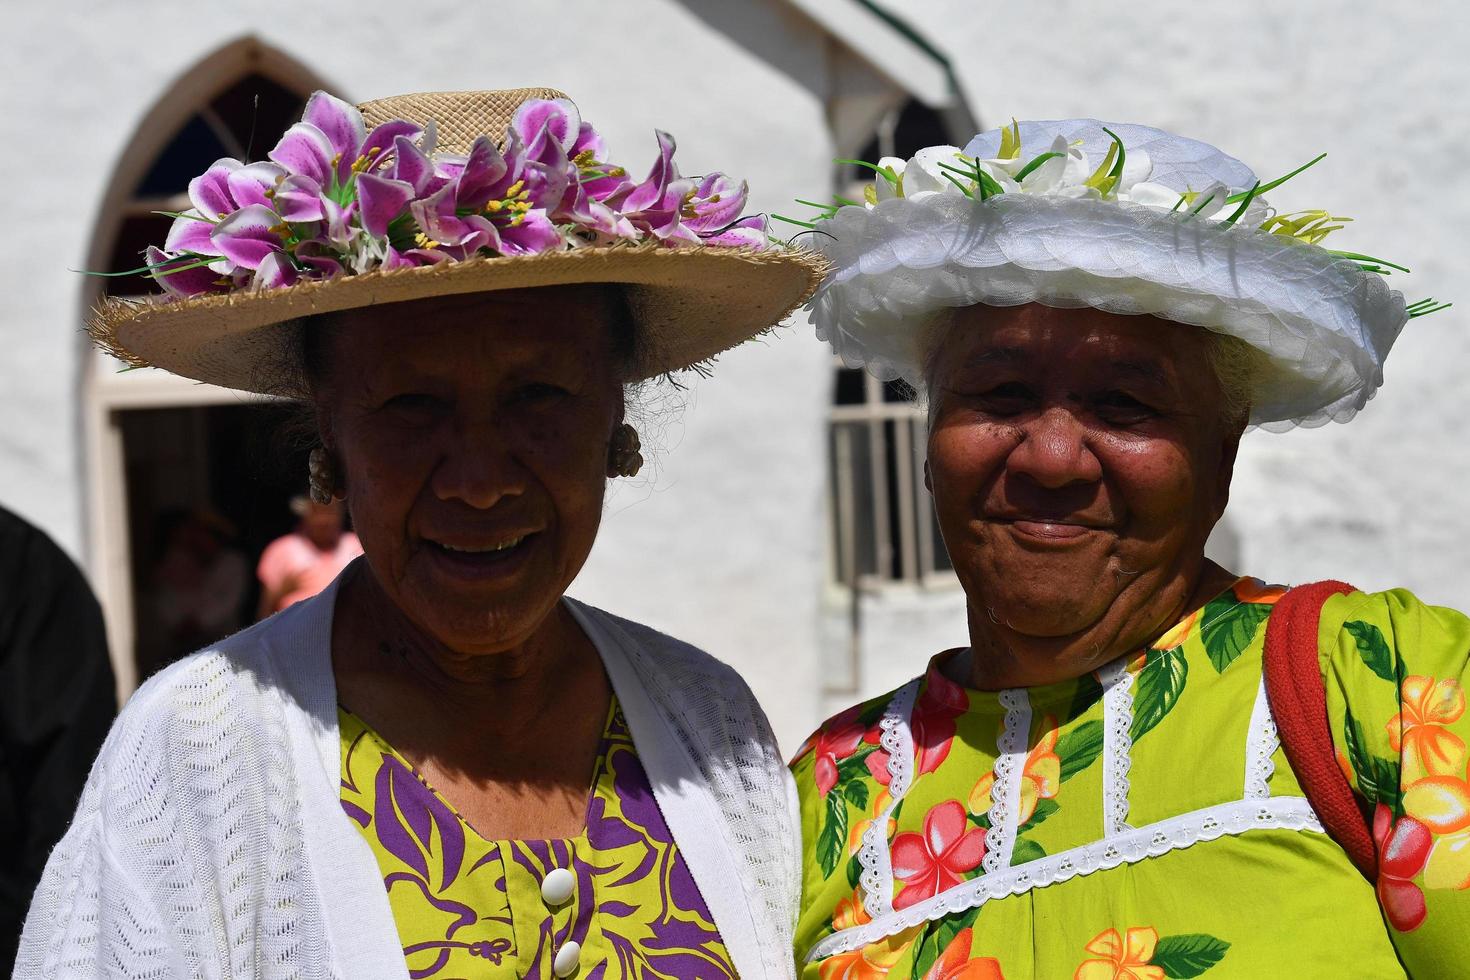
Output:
(441, 766)
(1142, 764)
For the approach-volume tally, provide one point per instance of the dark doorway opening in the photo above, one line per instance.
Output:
(208, 487)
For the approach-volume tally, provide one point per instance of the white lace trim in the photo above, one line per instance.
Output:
(1131, 846)
(1117, 745)
(1261, 745)
(1005, 792)
(896, 738)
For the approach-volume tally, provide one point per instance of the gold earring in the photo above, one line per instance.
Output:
(322, 476)
(623, 457)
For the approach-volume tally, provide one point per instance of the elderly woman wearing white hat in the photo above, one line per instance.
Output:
(1141, 765)
(441, 766)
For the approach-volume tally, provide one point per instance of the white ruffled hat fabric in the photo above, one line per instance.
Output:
(1132, 245)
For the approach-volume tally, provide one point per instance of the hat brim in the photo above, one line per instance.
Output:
(690, 304)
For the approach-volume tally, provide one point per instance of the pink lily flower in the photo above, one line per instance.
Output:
(716, 209)
(437, 216)
(336, 199)
(275, 270)
(248, 236)
(299, 198)
(254, 183)
(747, 233)
(380, 200)
(186, 279)
(330, 143)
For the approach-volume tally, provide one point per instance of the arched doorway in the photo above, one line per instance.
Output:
(161, 452)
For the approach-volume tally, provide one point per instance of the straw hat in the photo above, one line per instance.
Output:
(1122, 218)
(392, 175)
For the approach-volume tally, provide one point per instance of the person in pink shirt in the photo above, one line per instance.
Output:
(298, 565)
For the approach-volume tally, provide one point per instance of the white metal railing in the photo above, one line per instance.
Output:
(882, 520)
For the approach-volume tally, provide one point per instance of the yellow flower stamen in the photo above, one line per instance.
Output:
(1306, 226)
(424, 241)
(493, 207)
(515, 188)
(686, 207)
(585, 159)
(1010, 141)
(1100, 178)
(870, 194)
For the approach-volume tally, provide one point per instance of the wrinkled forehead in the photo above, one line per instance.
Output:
(1037, 339)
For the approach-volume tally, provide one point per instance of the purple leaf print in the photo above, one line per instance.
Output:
(357, 813)
(466, 916)
(406, 813)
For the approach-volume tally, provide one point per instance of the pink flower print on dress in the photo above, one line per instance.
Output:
(939, 858)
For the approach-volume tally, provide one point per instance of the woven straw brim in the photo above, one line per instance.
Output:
(690, 304)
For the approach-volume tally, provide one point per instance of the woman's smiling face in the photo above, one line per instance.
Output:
(471, 434)
(1078, 460)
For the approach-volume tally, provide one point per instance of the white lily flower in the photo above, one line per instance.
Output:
(1137, 167)
(883, 188)
(1047, 176)
(1152, 195)
(923, 172)
(1206, 203)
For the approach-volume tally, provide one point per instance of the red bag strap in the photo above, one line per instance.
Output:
(1298, 699)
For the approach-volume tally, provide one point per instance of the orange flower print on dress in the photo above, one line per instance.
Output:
(956, 963)
(1253, 590)
(881, 800)
(1120, 958)
(1442, 805)
(872, 962)
(1040, 778)
(1403, 849)
(1417, 732)
(1174, 637)
(850, 912)
(938, 859)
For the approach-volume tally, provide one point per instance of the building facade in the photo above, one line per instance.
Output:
(782, 523)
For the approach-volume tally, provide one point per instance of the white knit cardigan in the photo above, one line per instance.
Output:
(210, 841)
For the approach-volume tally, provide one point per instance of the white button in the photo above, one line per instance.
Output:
(556, 887)
(564, 964)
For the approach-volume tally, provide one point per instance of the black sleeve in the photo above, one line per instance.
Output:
(57, 701)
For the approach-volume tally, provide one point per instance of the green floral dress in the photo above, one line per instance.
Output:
(1142, 822)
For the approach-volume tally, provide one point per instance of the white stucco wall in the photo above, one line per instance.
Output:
(721, 545)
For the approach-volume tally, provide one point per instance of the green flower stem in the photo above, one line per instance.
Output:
(1026, 171)
(792, 221)
(1359, 257)
(885, 172)
(1277, 182)
(1244, 204)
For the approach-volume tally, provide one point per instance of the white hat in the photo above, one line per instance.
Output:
(1164, 225)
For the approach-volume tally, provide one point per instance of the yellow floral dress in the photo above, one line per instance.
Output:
(615, 902)
(1142, 822)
